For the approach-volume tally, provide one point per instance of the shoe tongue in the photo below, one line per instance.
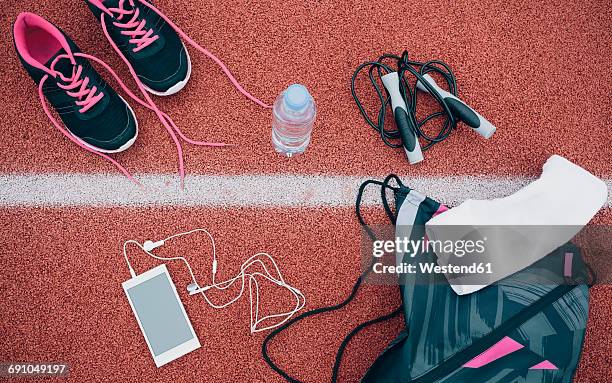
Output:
(115, 4)
(62, 65)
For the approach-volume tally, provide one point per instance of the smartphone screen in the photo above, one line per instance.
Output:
(161, 315)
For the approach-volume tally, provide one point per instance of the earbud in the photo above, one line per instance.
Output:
(150, 245)
(193, 288)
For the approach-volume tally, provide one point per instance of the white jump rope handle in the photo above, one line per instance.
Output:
(461, 110)
(405, 124)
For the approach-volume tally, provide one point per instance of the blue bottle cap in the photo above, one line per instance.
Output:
(297, 97)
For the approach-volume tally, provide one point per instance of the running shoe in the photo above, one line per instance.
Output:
(150, 45)
(94, 115)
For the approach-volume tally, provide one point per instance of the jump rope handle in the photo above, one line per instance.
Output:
(461, 110)
(404, 123)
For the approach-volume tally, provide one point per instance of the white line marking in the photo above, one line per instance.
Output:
(70, 189)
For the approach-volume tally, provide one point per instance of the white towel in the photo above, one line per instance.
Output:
(562, 201)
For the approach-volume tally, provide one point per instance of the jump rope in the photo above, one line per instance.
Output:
(402, 96)
(245, 275)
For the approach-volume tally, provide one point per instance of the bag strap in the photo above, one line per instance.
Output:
(393, 217)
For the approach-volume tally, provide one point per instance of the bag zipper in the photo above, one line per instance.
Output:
(462, 357)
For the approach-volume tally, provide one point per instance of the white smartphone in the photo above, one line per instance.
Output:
(161, 315)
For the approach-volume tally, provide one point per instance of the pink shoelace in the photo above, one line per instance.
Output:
(76, 80)
(86, 97)
(146, 38)
(134, 27)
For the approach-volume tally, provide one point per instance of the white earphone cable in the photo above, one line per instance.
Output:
(194, 288)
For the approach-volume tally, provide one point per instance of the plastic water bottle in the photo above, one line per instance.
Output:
(294, 113)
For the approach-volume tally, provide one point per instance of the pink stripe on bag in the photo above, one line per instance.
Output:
(502, 348)
(441, 210)
(567, 268)
(545, 365)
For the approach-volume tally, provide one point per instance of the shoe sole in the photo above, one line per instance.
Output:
(107, 151)
(179, 85)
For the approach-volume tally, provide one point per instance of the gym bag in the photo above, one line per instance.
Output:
(510, 332)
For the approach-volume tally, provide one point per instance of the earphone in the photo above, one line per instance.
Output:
(257, 259)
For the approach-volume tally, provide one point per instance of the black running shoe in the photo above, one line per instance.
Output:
(93, 113)
(150, 45)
